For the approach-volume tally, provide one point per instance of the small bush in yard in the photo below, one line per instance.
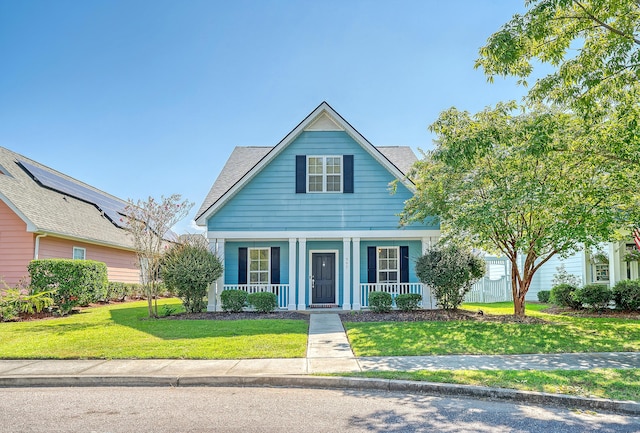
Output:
(626, 294)
(189, 270)
(408, 301)
(263, 302)
(72, 282)
(596, 296)
(380, 302)
(544, 296)
(233, 301)
(451, 272)
(562, 296)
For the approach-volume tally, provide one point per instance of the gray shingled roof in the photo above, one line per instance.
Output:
(243, 159)
(51, 212)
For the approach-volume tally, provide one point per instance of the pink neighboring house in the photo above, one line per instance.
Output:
(37, 221)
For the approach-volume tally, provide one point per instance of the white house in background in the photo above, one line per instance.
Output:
(610, 263)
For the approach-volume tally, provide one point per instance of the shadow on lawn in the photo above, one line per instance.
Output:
(136, 318)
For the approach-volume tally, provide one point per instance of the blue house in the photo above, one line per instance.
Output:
(313, 220)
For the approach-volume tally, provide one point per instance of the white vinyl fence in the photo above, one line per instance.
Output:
(495, 286)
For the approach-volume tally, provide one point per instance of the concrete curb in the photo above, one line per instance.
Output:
(318, 382)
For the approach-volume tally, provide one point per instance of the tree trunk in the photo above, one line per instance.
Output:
(519, 306)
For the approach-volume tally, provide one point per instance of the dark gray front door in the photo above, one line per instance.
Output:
(323, 278)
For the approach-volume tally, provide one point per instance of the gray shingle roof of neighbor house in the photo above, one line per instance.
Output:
(243, 159)
(47, 211)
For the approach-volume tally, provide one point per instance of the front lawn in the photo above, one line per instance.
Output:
(601, 383)
(122, 331)
(558, 334)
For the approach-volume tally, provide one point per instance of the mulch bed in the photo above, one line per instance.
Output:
(245, 315)
(435, 316)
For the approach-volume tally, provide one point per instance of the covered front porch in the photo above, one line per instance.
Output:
(320, 269)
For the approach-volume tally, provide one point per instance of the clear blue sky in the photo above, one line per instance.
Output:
(144, 98)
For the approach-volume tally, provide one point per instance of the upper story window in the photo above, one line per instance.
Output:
(79, 253)
(388, 264)
(324, 174)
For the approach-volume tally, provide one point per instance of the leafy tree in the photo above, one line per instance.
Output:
(149, 223)
(189, 269)
(594, 49)
(594, 46)
(451, 272)
(492, 180)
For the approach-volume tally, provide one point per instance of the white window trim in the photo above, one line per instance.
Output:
(249, 266)
(84, 253)
(324, 174)
(595, 273)
(397, 269)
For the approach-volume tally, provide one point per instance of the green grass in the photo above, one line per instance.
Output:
(560, 334)
(602, 383)
(123, 331)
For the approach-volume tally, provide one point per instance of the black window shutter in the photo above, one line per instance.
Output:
(404, 264)
(301, 174)
(371, 265)
(347, 165)
(275, 265)
(242, 266)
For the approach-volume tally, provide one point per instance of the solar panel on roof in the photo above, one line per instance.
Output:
(111, 207)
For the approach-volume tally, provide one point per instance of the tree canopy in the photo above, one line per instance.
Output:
(499, 180)
(594, 46)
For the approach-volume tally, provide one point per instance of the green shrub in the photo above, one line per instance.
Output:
(562, 296)
(189, 270)
(233, 301)
(72, 282)
(451, 272)
(380, 302)
(626, 294)
(16, 301)
(595, 296)
(544, 296)
(408, 301)
(263, 302)
(118, 291)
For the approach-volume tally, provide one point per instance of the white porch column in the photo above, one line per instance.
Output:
(216, 246)
(426, 243)
(292, 274)
(346, 274)
(357, 302)
(302, 273)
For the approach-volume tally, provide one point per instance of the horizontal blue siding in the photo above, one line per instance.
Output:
(269, 202)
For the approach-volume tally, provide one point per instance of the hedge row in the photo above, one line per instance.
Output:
(624, 294)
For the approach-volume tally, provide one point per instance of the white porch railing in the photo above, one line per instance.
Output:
(280, 290)
(396, 289)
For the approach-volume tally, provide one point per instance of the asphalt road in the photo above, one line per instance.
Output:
(160, 409)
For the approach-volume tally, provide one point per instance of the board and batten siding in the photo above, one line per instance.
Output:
(121, 264)
(269, 201)
(16, 247)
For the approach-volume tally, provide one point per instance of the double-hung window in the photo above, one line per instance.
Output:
(324, 173)
(259, 268)
(388, 264)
